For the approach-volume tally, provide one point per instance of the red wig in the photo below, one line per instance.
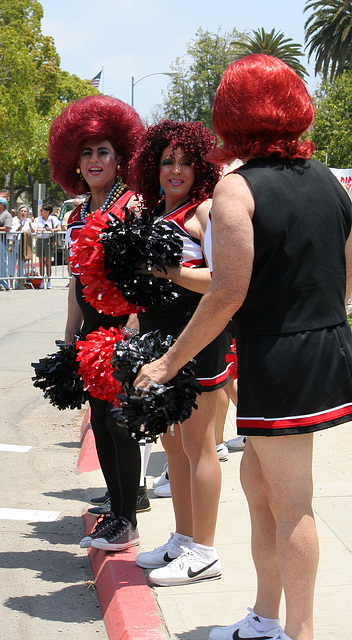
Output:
(96, 117)
(196, 141)
(261, 109)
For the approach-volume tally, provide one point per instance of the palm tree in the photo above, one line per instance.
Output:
(273, 44)
(328, 34)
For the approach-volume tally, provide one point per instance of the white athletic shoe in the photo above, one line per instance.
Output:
(161, 556)
(281, 636)
(187, 568)
(163, 478)
(222, 451)
(237, 444)
(163, 490)
(243, 629)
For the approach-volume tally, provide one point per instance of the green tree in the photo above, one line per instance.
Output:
(33, 91)
(332, 130)
(273, 44)
(192, 93)
(328, 36)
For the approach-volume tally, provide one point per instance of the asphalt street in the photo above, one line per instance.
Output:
(46, 587)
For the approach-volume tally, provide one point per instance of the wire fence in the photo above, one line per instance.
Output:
(29, 261)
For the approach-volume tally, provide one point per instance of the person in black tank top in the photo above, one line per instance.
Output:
(282, 266)
(173, 158)
(90, 146)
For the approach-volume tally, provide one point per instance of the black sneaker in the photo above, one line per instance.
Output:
(118, 538)
(101, 511)
(143, 503)
(99, 501)
(104, 523)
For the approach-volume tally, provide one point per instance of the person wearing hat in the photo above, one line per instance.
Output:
(5, 226)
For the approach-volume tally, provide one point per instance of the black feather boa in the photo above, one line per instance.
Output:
(153, 412)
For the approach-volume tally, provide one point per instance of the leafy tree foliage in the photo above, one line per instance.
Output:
(328, 35)
(33, 91)
(274, 44)
(332, 130)
(192, 93)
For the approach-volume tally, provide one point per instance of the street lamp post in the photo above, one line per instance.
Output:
(171, 74)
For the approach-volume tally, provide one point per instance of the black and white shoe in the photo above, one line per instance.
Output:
(119, 537)
(101, 500)
(243, 630)
(187, 568)
(104, 523)
(102, 510)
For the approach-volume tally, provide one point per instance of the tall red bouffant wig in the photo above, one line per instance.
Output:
(261, 109)
(96, 117)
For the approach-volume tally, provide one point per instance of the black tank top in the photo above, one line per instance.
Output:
(301, 221)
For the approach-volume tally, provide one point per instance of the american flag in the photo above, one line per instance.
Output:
(96, 80)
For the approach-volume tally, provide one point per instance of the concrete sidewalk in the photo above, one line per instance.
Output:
(32, 320)
(190, 612)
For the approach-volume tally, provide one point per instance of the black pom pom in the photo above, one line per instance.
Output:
(151, 414)
(135, 242)
(57, 376)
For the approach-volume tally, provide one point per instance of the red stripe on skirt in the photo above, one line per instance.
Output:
(298, 421)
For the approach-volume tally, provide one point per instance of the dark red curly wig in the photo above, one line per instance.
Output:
(96, 117)
(261, 109)
(196, 141)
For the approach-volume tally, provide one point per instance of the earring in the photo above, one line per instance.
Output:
(160, 191)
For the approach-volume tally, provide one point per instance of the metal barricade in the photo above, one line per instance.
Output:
(30, 261)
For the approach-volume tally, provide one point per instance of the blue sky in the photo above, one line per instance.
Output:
(140, 37)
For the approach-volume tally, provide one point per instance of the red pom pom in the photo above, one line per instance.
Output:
(94, 355)
(232, 358)
(88, 254)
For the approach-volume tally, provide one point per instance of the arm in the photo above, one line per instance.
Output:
(197, 280)
(233, 253)
(74, 313)
(348, 253)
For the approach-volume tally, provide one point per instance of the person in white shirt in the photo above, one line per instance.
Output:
(45, 225)
(21, 223)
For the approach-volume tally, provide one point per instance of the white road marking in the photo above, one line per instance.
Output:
(31, 515)
(16, 448)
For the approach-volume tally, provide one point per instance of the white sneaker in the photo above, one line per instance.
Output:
(237, 444)
(163, 491)
(48, 286)
(163, 479)
(42, 284)
(222, 451)
(243, 629)
(161, 556)
(187, 568)
(281, 636)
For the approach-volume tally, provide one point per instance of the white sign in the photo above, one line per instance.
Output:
(345, 177)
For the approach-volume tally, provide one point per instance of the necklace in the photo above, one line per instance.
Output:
(115, 193)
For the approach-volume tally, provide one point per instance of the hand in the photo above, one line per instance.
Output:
(153, 271)
(152, 375)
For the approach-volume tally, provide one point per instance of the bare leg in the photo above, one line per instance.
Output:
(263, 536)
(48, 266)
(179, 475)
(286, 465)
(221, 413)
(198, 438)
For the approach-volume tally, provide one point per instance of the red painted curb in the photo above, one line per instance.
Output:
(88, 459)
(126, 601)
